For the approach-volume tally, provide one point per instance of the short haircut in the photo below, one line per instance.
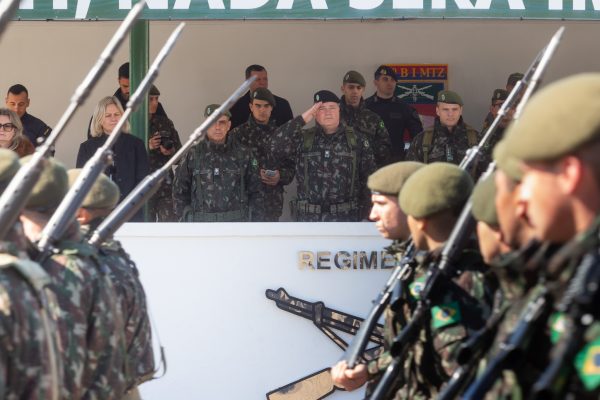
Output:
(254, 68)
(17, 89)
(124, 71)
(16, 121)
(96, 124)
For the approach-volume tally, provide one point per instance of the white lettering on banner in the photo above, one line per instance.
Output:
(414, 4)
(185, 5)
(247, 4)
(26, 5)
(60, 4)
(365, 4)
(555, 4)
(579, 5)
(82, 9)
(315, 4)
(479, 4)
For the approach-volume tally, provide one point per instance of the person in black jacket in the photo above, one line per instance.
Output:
(130, 159)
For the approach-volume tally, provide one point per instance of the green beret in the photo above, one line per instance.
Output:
(265, 95)
(484, 206)
(389, 179)
(50, 189)
(507, 164)
(154, 91)
(557, 121)
(354, 77)
(211, 109)
(434, 188)
(449, 97)
(499, 94)
(104, 193)
(514, 78)
(9, 165)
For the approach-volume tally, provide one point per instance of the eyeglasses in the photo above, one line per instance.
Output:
(8, 127)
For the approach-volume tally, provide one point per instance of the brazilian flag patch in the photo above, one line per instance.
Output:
(587, 363)
(557, 327)
(446, 314)
(417, 287)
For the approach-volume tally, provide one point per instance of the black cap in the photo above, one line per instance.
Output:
(385, 70)
(325, 96)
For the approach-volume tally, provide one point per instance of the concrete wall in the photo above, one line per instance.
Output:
(51, 59)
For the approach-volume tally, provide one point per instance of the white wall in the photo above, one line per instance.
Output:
(51, 58)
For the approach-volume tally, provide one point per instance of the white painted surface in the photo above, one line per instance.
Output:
(206, 286)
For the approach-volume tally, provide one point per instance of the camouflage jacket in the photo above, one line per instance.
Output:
(331, 172)
(160, 204)
(258, 138)
(498, 135)
(217, 182)
(446, 146)
(460, 311)
(123, 272)
(30, 354)
(372, 127)
(89, 320)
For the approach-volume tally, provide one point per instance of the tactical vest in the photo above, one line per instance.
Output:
(199, 214)
(428, 139)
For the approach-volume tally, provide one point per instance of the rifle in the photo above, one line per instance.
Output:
(146, 188)
(66, 211)
(444, 270)
(14, 197)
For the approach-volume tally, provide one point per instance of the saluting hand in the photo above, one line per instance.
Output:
(309, 114)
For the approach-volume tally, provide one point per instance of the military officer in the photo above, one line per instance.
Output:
(399, 118)
(257, 134)
(218, 180)
(332, 162)
(354, 113)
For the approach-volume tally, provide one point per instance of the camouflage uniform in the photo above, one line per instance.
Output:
(371, 126)
(461, 310)
(160, 204)
(123, 272)
(331, 173)
(258, 138)
(90, 323)
(498, 135)
(217, 183)
(30, 362)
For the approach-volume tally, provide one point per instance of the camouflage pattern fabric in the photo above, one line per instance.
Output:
(457, 313)
(498, 135)
(217, 182)
(160, 205)
(30, 362)
(372, 127)
(446, 146)
(258, 138)
(123, 272)
(324, 173)
(90, 323)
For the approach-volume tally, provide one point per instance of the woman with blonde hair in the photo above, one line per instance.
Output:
(130, 159)
(11, 134)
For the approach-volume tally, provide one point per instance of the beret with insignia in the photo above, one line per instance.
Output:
(434, 188)
(558, 120)
(211, 109)
(50, 189)
(389, 179)
(484, 206)
(499, 94)
(449, 97)
(354, 77)
(385, 70)
(103, 195)
(325, 96)
(264, 94)
(514, 78)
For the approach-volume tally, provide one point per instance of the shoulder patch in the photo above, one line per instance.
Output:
(587, 362)
(557, 327)
(445, 315)
(381, 124)
(366, 144)
(417, 287)
(254, 162)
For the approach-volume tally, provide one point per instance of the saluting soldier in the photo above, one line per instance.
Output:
(399, 118)
(218, 180)
(257, 134)
(332, 162)
(354, 113)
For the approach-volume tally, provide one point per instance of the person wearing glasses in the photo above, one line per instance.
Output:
(11, 134)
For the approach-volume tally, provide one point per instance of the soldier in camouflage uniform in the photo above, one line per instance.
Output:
(30, 350)
(498, 98)
(449, 138)
(218, 180)
(333, 163)
(163, 143)
(385, 185)
(257, 134)
(99, 202)
(354, 113)
(89, 322)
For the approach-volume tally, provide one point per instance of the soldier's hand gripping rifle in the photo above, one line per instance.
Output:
(15, 196)
(66, 211)
(146, 188)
